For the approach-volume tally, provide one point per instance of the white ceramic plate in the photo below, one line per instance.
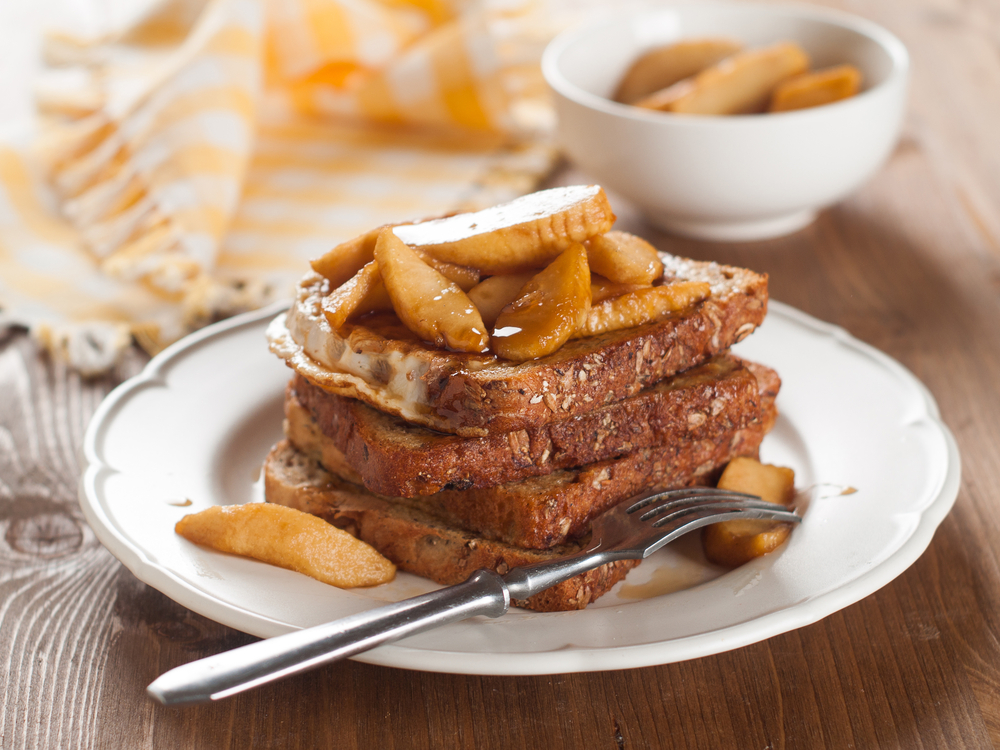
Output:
(197, 423)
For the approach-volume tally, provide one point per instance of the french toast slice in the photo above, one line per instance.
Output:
(391, 457)
(541, 512)
(378, 361)
(416, 541)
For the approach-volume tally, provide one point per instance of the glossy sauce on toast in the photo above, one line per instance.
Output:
(476, 394)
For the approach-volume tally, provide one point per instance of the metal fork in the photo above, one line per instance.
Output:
(632, 530)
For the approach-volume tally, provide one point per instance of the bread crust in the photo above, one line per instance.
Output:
(417, 542)
(544, 511)
(476, 395)
(392, 457)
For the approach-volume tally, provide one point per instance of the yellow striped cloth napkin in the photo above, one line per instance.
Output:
(186, 167)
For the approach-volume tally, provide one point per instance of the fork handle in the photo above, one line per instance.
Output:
(484, 593)
(527, 580)
(232, 672)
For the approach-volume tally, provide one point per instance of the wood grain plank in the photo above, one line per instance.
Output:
(55, 597)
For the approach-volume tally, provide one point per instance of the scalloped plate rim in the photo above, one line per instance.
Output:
(571, 659)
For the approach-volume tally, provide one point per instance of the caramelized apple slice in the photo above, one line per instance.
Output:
(349, 298)
(521, 235)
(738, 85)
(641, 306)
(665, 66)
(733, 543)
(346, 259)
(602, 288)
(377, 300)
(816, 89)
(492, 295)
(289, 539)
(429, 304)
(547, 311)
(465, 277)
(625, 258)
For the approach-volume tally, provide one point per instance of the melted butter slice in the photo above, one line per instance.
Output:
(523, 234)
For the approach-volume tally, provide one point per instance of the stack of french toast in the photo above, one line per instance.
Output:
(470, 392)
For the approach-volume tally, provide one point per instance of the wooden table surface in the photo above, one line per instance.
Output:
(910, 264)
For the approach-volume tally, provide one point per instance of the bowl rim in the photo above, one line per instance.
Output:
(885, 39)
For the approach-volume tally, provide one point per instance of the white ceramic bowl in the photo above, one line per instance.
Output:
(727, 178)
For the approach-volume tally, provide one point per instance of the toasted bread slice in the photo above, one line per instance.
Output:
(545, 511)
(381, 363)
(416, 541)
(392, 457)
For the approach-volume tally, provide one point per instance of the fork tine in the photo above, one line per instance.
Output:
(694, 516)
(767, 511)
(704, 499)
(621, 533)
(698, 501)
(682, 494)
